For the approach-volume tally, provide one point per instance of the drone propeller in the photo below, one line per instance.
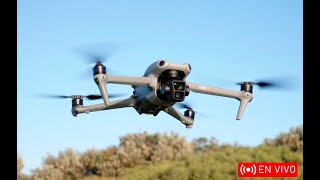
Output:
(97, 54)
(275, 83)
(183, 106)
(96, 58)
(262, 84)
(89, 97)
(100, 52)
(188, 107)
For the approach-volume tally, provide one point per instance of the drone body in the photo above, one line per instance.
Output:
(162, 85)
(167, 87)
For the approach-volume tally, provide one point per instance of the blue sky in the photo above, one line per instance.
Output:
(224, 41)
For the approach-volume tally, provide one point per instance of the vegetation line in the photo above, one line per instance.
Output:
(166, 156)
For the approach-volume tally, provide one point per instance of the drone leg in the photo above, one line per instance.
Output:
(243, 104)
(176, 114)
(101, 80)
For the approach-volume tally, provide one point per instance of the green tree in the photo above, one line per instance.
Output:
(293, 139)
(66, 166)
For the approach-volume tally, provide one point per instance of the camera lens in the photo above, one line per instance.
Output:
(178, 86)
(177, 95)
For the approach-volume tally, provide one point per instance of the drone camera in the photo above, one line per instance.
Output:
(178, 90)
(175, 90)
(178, 85)
(171, 87)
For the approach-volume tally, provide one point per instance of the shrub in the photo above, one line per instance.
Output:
(20, 165)
(142, 148)
(101, 163)
(134, 149)
(66, 166)
(138, 155)
(293, 139)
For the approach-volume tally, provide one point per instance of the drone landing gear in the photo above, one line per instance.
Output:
(186, 119)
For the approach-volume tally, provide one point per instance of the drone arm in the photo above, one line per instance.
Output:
(242, 96)
(176, 114)
(214, 90)
(130, 80)
(129, 102)
(102, 79)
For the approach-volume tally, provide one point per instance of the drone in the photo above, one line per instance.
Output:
(163, 85)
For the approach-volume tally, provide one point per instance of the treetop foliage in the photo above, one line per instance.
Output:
(165, 155)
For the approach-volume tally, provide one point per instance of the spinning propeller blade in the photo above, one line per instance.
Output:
(99, 53)
(97, 58)
(182, 105)
(93, 97)
(284, 83)
(56, 96)
(89, 97)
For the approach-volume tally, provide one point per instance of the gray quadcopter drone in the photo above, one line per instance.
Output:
(162, 85)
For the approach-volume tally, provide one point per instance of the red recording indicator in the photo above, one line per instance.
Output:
(267, 169)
